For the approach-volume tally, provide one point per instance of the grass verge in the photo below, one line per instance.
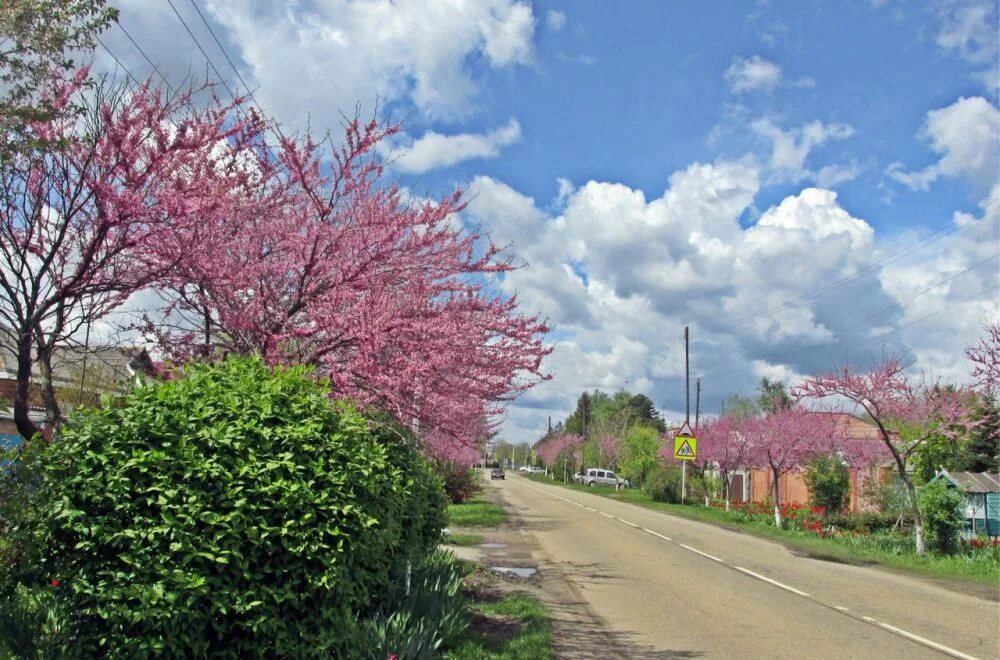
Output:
(503, 627)
(476, 513)
(462, 539)
(960, 568)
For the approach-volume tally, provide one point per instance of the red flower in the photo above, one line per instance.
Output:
(54, 583)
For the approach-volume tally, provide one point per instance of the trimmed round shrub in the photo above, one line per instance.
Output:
(233, 512)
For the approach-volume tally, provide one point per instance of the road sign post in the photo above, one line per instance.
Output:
(685, 449)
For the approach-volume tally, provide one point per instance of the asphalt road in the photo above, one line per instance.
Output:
(661, 586)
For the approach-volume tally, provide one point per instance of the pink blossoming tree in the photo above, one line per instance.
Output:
(83, 196)
(892, 403)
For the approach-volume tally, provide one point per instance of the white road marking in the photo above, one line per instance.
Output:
(885, 626)
(774, 582)
(703, 554)
(665, 538)
(926, 642)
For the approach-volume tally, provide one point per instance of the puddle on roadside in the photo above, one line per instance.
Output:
(492, 546)
(514, 571)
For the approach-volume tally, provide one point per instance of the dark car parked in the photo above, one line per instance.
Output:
(497, 473)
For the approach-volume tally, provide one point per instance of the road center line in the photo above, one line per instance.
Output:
(925, 641)
(885, 626)
(703, 554)
(774, 582)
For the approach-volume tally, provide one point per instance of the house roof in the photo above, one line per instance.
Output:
(853, 427)
(972, 482)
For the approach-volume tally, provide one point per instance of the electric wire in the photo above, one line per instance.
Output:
(943, 310)
(117, 61)
(930, 287)
(198, 44)
(146, 57)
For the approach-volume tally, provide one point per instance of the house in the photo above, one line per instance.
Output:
(982, 499)
(792, 485)
(79, 375)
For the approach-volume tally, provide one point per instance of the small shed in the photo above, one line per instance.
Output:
(982, 499)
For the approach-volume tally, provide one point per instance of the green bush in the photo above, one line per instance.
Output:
(20, 477)
(234, 512)
(460, 481)
(829, 482)
(664, 485)
(862, 521)
(940, 508)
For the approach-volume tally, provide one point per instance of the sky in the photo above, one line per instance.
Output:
(801, 183)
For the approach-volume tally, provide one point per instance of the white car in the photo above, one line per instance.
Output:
(599, 477)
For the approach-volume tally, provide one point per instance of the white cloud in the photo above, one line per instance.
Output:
(791, 148)
(345, 53)
(754, 74)
(434, 150)
(620, 275)
(968, 29)
(555, 19)
(966, 134)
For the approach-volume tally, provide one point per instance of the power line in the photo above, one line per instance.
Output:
(923, 291)
(871, 268)
(118, 61)
(146, 57)
(225, 54)
(198, 44)
(942, 311)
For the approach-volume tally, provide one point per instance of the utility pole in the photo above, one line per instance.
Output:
(687, 410)
(697, 401)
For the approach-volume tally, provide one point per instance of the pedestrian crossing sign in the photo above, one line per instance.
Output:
(685, 448)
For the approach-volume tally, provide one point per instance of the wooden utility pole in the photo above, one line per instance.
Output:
(687, 410)
(697, 401)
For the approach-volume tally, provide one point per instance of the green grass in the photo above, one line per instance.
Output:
(475, 513)
(463, 539)
(852, 551)
(515, 628)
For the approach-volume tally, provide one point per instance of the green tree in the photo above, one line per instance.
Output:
(940, 507)
(742, 408)
(829, 482)
(639, 453)
(644, 412)
(983, 450)
(772, 395)
(38, 37)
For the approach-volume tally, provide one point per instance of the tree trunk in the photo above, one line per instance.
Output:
(22, 391)
(777, 499)
(918, 523)
(727, 482)
(53, 414)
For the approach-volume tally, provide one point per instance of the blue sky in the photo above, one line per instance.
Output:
(662, 164)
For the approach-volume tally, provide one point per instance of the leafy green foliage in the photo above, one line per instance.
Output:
(20, 479)
(639, 453)
(424, 613)
(665, 485)
(31, 623)
(940, 507)
(231, 512)
(829, 482)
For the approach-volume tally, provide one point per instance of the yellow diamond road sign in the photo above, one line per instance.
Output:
(685, 444)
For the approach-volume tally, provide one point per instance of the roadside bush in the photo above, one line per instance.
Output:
(829, 482)
(664, 485)
(460, 481)
(940, 508)
(862, 521)
(233, 512)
